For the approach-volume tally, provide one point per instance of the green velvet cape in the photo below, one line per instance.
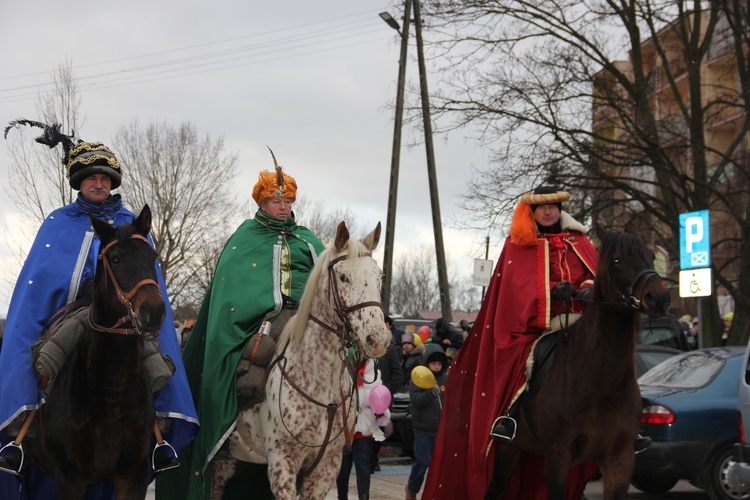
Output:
(245, 290)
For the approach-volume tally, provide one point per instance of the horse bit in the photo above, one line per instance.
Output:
(123, 298)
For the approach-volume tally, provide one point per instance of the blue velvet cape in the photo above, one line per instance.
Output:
(62, 258)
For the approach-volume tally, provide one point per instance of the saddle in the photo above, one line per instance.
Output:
(544, 354)
(51, 351)
(253, 368)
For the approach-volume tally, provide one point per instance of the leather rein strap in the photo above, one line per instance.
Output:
(122, 297)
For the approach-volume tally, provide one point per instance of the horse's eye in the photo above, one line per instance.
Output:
(115, 259)
(617, 261)
(343, 278)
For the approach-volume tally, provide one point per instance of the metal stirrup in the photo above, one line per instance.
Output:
(153, 455)
(501, 419)
(20, 466)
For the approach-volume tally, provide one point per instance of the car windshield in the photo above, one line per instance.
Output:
(661, 336)
(653, 358)
(687, 371)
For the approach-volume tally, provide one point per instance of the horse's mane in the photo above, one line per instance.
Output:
(294, 330)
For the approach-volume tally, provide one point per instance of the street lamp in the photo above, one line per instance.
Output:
(385, 16)
(390, 225)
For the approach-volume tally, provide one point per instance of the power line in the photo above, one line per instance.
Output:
(275, 46)
(317, 33)
(115, 83)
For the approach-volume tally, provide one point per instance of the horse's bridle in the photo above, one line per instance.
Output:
(345, 333)
(644, 276)
(122, 297)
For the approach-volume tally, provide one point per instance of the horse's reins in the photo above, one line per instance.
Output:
(330, 413)
(629, 300)
(345, 333)
(122, 297)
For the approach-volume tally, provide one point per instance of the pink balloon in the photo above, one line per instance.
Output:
(380, 399)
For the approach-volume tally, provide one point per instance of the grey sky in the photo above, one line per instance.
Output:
(310, 79)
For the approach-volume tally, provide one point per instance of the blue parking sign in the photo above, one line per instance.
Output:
(695, 241)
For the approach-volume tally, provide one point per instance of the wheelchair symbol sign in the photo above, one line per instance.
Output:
(695, 282)
(695, 241)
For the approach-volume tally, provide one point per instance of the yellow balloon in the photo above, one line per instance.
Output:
(423, 377)
(417, 340)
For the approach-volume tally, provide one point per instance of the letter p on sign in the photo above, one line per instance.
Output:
(693, 232)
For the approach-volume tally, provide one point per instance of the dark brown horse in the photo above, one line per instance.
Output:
(99, 416)
(587, 408)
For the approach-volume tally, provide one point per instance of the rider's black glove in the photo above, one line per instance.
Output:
(562, 291)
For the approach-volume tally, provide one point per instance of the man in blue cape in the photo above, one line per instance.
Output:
(62, 259)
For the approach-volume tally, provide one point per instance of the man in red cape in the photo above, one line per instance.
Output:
(546, 246)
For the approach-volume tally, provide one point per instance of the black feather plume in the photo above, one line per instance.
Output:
(51, 137)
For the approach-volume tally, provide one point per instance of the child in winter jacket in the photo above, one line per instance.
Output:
(426, 406)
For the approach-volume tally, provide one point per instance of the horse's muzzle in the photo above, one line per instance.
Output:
(657, 302)
(377, 343)
(150, 315)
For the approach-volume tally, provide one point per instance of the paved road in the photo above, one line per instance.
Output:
(390, 481)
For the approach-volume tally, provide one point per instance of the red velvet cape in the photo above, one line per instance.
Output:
(487, 373)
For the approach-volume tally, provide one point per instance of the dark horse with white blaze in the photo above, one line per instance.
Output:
(98, 420)
(588, 406)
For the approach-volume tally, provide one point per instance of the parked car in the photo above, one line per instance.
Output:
(648, 356)
(662, 331)
(403, 432)
(742, 449)
(690, 413)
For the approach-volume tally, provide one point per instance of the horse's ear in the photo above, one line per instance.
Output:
(143, 222)
(103, 230)
(371, 240)
(599, 231)
(342, 237)
(630, 228)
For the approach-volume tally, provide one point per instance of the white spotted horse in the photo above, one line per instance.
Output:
(309, 411)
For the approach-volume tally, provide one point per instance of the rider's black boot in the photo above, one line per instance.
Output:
(164, 457)
(504, 430)
(12, 461)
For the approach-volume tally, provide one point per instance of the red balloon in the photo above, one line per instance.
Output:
(424, 333)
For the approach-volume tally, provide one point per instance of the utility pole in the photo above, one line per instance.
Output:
(445, 298)
(390, 225)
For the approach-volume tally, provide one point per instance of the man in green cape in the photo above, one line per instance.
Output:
(261, 273)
